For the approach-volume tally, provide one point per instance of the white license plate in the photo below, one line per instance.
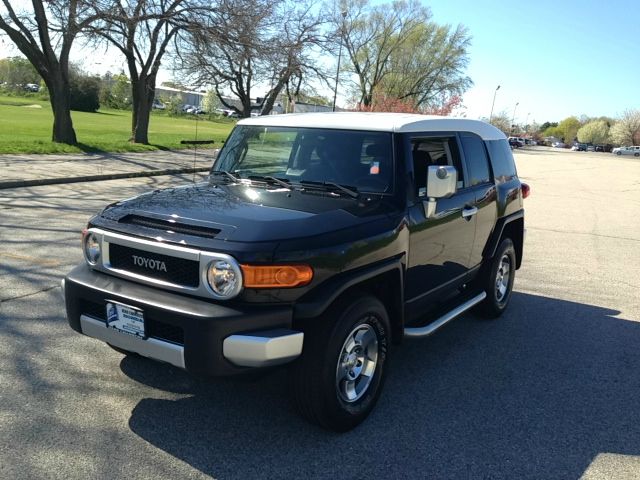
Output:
(125, 319)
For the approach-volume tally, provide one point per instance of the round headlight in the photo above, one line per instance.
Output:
(224, 278)
(92, 249)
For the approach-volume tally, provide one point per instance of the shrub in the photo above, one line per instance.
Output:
(84, 93)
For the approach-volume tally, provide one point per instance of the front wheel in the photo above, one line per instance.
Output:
(497, 281)
(339, 377)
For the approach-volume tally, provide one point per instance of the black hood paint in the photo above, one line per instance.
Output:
(250, 213)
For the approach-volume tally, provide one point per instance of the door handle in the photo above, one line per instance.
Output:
(468, 212)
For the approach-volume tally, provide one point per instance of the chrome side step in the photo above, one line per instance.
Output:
(447, 317)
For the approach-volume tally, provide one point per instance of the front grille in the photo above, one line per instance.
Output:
(153, 327)
(168, 226)
(179, 271)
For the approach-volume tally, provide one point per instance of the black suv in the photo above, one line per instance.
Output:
(318, 239)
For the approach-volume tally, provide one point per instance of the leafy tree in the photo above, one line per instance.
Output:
(116, 91)
(210, 101)
(44, 34)
(554, 132)
(546, 125)
(595, 132)
(429, 66)
(84, 93)
(626, 130)
(568, 129)
(17, 71)
(396, 51)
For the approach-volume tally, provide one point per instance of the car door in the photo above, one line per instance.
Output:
(440, 246)
(480, 182)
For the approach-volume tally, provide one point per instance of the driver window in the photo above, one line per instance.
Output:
(428, 151)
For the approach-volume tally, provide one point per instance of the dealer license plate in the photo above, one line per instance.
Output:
(125, 319)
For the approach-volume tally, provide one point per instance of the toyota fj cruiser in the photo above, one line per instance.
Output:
(318, 239)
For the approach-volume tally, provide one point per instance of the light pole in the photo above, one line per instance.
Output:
(514, 115)
(526, 123)
(335, 91)
(493, 103)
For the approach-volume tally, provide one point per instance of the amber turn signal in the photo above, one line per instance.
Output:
(276, 276)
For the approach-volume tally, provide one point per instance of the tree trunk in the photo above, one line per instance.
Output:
(63, 131)
(141, 129)
(143, 95)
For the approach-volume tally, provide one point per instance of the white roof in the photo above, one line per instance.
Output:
(384, 122)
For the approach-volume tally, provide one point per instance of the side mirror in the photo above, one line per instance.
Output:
(442, 182)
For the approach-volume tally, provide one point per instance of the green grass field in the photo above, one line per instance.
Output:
(26, 123)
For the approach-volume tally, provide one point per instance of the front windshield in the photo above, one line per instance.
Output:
(358, 159)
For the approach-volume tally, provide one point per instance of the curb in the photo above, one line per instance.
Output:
(96, 178)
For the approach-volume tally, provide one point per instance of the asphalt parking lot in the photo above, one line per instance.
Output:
(550, 390)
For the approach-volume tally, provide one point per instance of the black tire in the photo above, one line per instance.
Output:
(317, 393)
(636, 154)
(618, 152)
(498, 297)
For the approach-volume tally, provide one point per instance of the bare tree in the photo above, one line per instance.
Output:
(45, 35)
(143, 30)
(249, 43)
(294, 53)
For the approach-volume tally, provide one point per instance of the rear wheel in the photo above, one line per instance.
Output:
(339, 377)
(497, 281)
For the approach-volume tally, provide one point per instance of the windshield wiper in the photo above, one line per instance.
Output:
(226, 174)
(270, 179)
(352, 192)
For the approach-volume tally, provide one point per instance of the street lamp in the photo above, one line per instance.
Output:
(526, 123)
(514, 115)
(493, 103)
(335, 91)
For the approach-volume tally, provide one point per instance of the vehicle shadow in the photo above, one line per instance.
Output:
(538, 393)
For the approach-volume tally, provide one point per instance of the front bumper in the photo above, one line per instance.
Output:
(202, 337)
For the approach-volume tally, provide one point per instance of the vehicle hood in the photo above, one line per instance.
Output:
(245, 213)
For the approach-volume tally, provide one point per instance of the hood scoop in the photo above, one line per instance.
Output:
(170, 226)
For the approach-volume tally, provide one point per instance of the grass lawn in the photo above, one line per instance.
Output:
(26, 123)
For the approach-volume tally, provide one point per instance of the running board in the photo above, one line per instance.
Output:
(446, 318)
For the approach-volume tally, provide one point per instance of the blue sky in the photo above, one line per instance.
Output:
(555, 58)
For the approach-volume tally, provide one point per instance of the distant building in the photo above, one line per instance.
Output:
(188, 97)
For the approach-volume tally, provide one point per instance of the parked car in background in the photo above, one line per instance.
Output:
(32, 87)
(158, 105)
(558, 145)
(516, 142)
(633, 150)
(604, 148)
(579, 147)
(591, 148)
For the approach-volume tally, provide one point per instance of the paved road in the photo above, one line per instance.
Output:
(551, 390)
(35, 169)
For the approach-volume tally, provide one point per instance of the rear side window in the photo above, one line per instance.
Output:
(504, 168)
(476, 158)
